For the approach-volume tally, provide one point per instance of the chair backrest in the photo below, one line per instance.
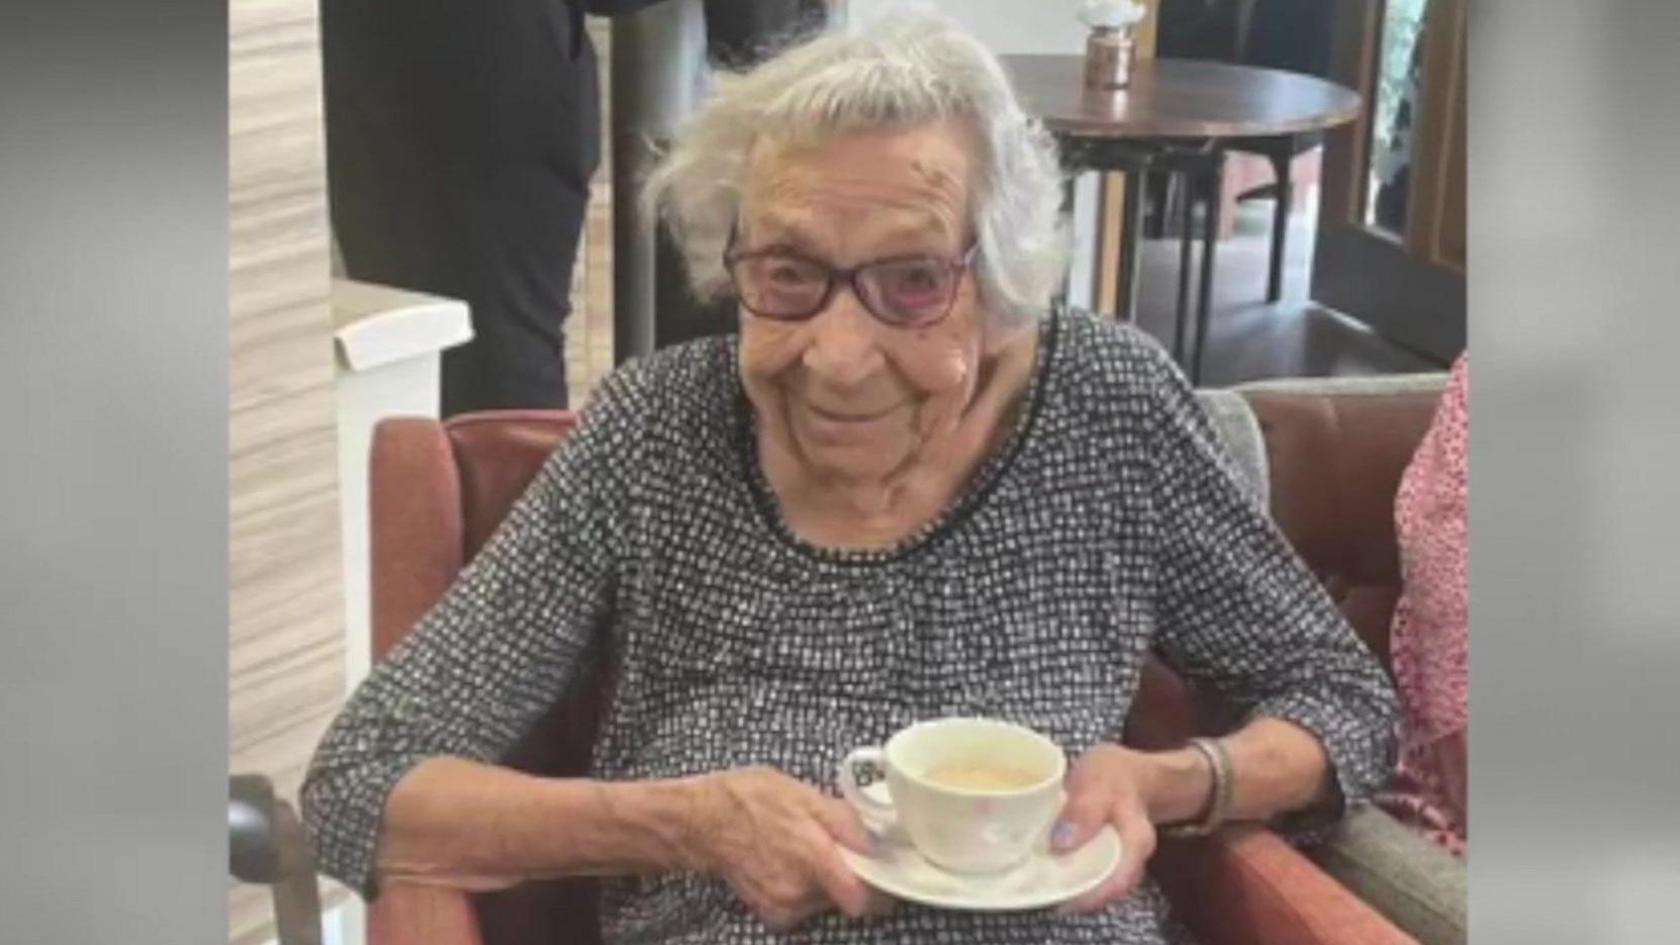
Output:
(437, 492)
(1292, 35)
(1335, 454)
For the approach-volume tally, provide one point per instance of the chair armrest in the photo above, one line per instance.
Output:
(1246, 886)
(267, 845)
(253, 848)
(408, 914)
(415, 531)
(1417, 885)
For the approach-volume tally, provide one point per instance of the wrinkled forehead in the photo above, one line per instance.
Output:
(862, 192)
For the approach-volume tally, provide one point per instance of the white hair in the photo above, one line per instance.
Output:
(897, 73)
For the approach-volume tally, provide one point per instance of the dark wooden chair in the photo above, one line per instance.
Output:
(1291, 35)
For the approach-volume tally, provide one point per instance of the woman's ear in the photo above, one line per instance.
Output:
(996, 332)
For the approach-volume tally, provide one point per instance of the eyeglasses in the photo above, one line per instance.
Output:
(901, 291)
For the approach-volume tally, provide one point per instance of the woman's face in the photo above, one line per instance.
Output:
(842, 393)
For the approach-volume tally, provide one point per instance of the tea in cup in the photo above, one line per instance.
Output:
(972, 795)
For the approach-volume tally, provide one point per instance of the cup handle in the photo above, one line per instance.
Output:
(876, 815)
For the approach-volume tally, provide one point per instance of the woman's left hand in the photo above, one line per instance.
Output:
(1108, 785)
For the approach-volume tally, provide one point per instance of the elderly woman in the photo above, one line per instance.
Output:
(909, 488)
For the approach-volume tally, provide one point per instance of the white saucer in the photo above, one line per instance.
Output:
(1041, 881)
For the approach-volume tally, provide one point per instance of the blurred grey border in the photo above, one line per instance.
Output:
(1574, 298)
(113, 471)
(113, 491)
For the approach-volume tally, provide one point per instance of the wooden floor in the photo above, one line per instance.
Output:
(1251, 340)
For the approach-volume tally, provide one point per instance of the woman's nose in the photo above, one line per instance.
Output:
(844, 345)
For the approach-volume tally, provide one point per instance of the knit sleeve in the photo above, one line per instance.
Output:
(520, 625)
(1239, 611)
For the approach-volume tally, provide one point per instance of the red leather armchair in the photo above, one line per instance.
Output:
(439, 489)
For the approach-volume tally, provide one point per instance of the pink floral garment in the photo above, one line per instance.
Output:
(1429, 642)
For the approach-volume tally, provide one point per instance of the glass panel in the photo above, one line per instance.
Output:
(1394, 115)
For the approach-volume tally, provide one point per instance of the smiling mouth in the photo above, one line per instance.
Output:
(851, 417)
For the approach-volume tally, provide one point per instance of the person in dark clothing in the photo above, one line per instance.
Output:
(740, 35)
(461, 139)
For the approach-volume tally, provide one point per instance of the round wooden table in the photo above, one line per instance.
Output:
(1181, 116)
(1179, 99)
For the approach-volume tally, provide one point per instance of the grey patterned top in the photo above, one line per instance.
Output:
(1108, 523)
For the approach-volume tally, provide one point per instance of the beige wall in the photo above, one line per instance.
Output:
(286, 628)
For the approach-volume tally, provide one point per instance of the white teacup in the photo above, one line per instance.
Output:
(973, 795)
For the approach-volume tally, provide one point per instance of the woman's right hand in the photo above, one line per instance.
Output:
(777, 842)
